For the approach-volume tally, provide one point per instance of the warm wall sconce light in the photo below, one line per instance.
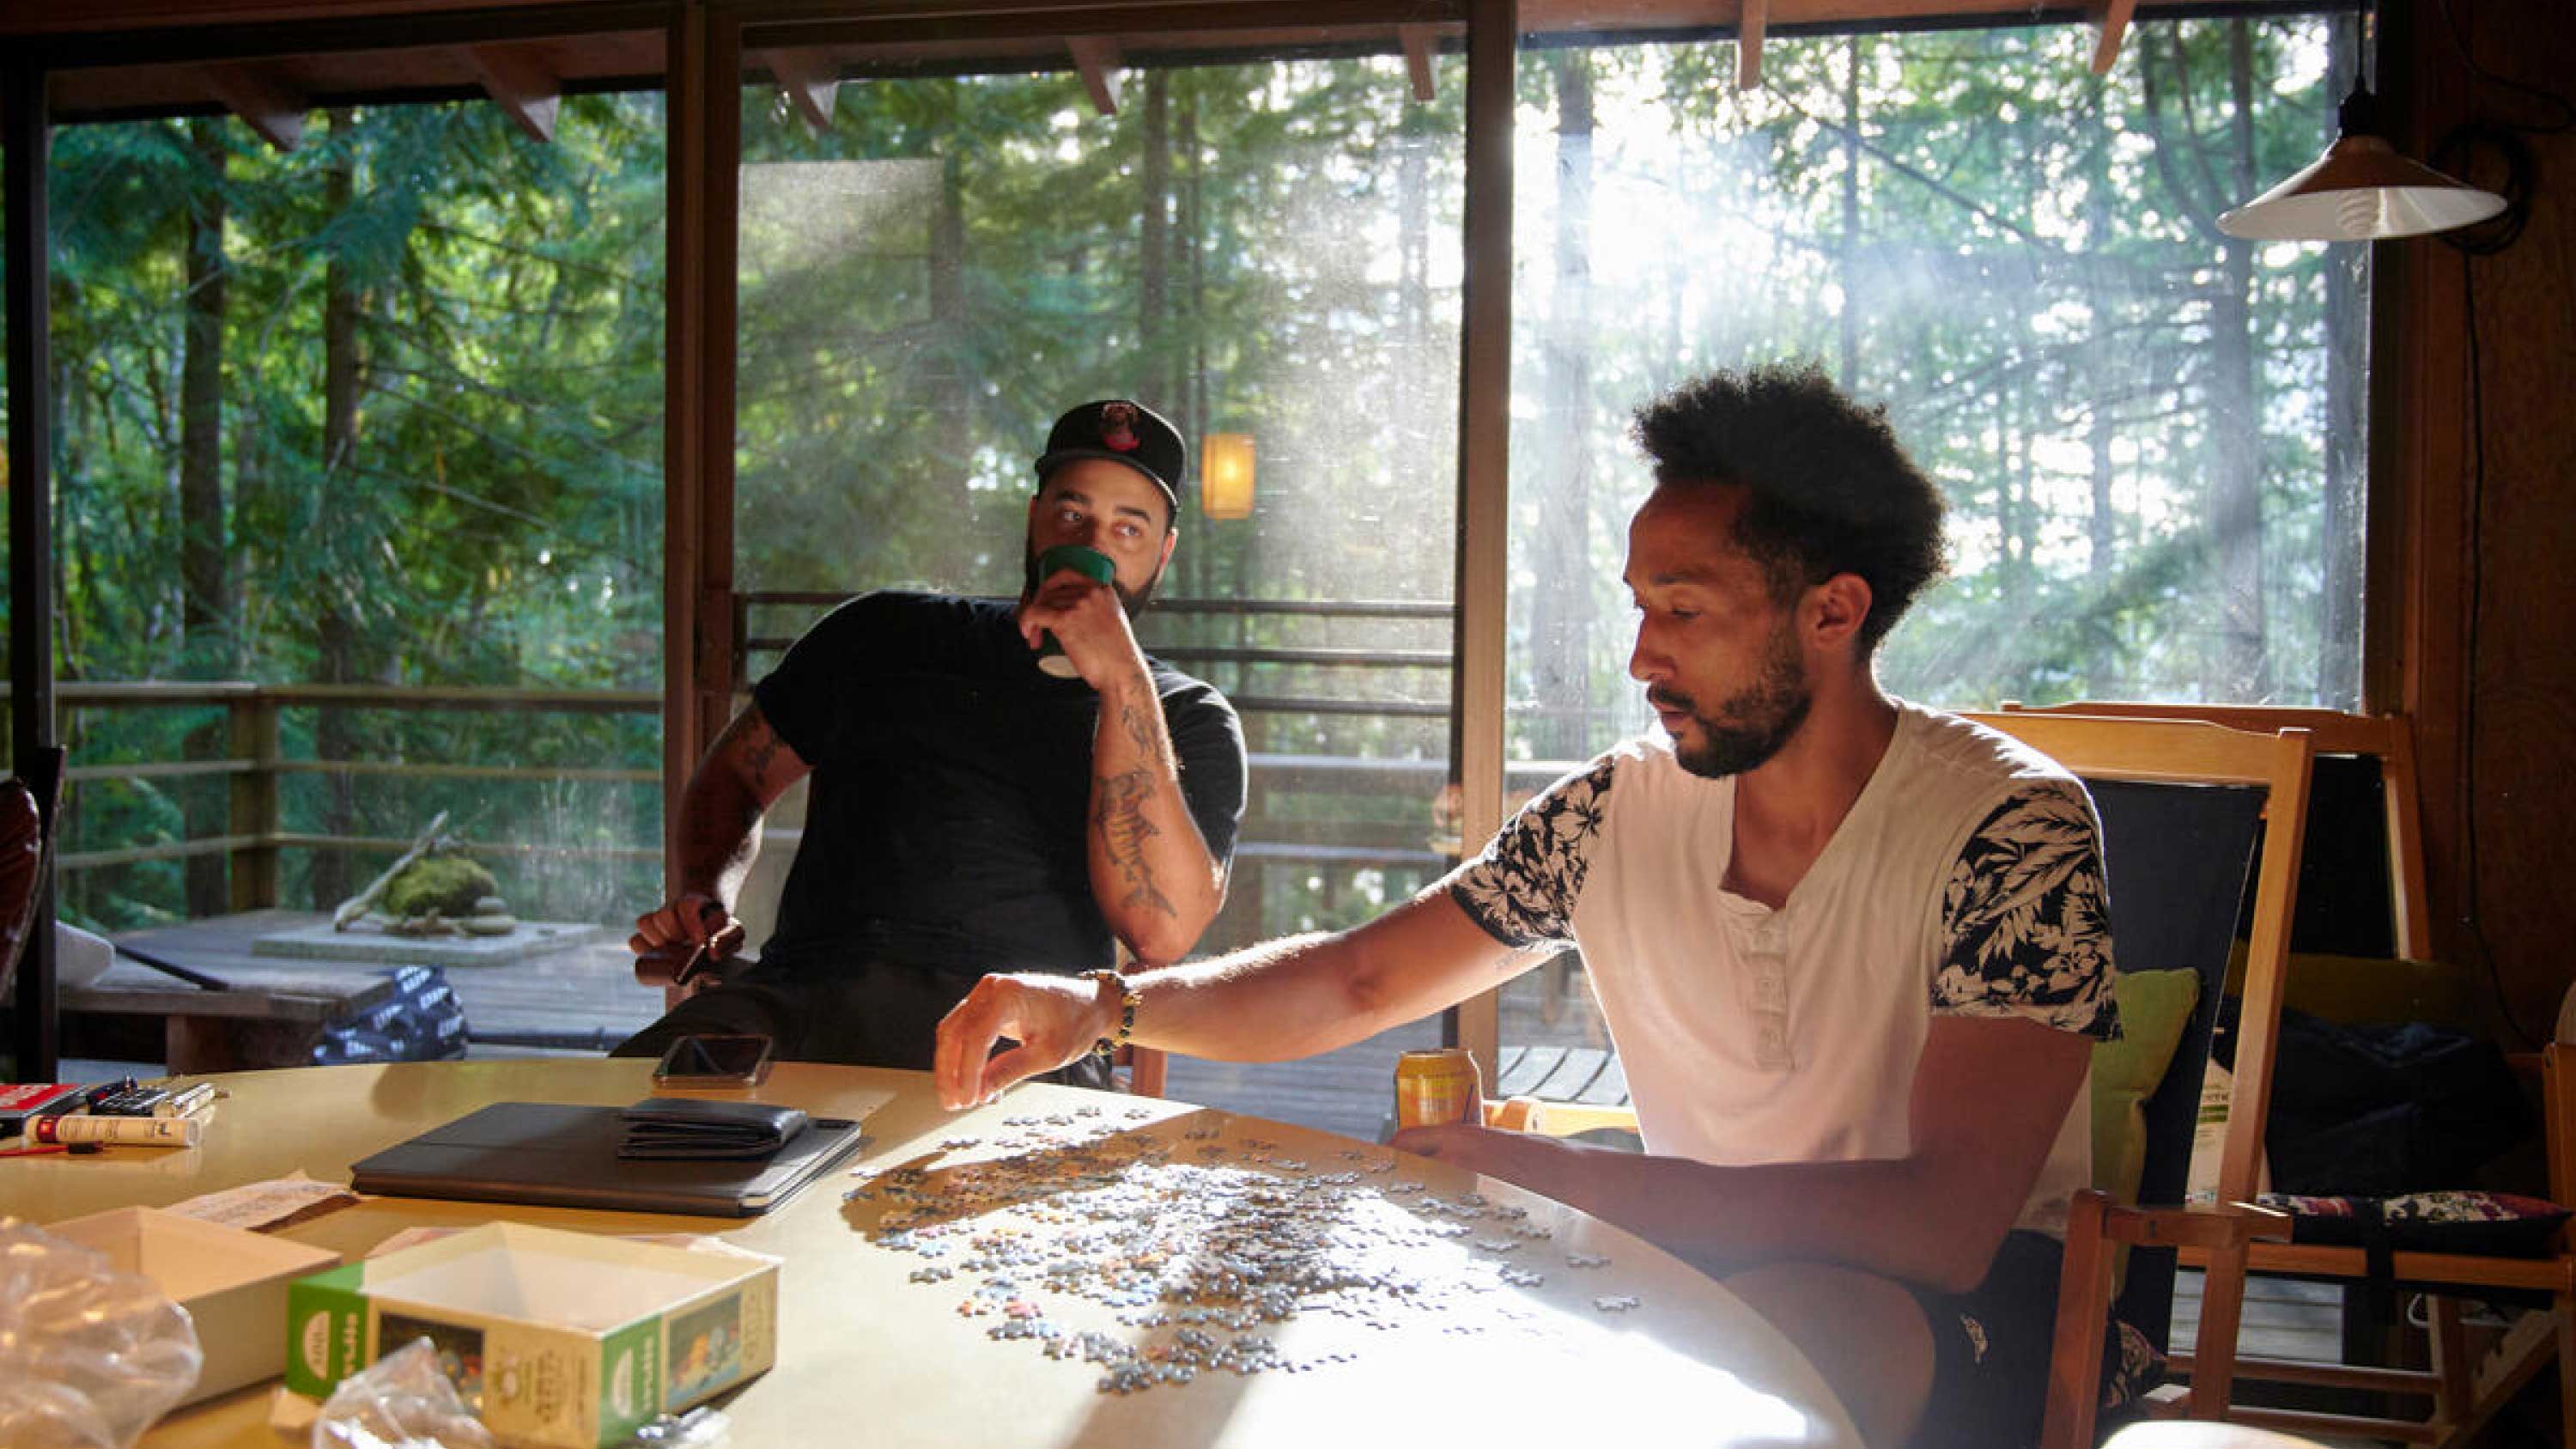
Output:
(1225, 475)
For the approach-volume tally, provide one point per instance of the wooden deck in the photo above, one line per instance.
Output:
(580, 996)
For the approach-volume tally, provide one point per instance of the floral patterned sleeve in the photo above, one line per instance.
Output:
(2024, 931)
(1522, 889)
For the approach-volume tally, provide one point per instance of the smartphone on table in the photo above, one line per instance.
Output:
(714, 1061)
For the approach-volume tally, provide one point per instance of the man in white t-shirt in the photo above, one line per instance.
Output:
(1852, 951)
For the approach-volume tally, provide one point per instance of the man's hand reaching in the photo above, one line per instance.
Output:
(1053, 1020)
(1526, 1158)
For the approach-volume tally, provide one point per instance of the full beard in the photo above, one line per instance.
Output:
(1753, 724)
(1135, 601)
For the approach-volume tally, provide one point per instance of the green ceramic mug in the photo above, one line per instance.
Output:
(1092, 564)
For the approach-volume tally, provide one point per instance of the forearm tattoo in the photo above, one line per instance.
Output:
(1121, 820)
(764, 744)
(1124, 831)
(1141, 731)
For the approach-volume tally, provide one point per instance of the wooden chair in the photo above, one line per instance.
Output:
(2114, 756)
(2464, 1394)
(2387, 738)
(2193, 1435)
(2179, 802)
(28, 810)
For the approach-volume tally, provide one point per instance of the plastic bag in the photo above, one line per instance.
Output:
(704, 1427)
(403, 1401)
(89, 1356)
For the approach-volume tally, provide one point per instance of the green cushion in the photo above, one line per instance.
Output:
(2370, 989)
(2155, 1010)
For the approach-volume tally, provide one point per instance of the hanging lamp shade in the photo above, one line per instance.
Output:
(2361, 189)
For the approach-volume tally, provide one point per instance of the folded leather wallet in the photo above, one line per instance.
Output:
(685, 1127)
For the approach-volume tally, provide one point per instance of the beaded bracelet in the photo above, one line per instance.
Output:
(1129, 998)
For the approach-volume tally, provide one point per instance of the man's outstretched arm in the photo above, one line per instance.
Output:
(718, 833)
(1988, 1098)
(1289, 998)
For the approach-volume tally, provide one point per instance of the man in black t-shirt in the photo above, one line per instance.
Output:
(970, 811)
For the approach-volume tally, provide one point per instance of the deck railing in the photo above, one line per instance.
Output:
(254, 832)
(254, 836)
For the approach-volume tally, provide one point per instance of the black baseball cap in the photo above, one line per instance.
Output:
(1122, 431)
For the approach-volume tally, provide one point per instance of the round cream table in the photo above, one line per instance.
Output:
(868, 1355)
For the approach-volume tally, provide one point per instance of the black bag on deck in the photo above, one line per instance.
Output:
(2382, 1110)
(422, 1021)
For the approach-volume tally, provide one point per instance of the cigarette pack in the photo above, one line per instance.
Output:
(21, 1102)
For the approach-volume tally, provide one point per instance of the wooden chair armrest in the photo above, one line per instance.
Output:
(2214, 1227)
(1556, 1119)
(2093, 1223)
(1148, 1069)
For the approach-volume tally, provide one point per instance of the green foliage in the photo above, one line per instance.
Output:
(493, 516)
(2014, 255)
(2129, 412)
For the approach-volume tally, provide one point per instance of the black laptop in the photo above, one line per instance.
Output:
(555, 1155)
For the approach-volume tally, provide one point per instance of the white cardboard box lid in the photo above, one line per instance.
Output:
(187, 1258)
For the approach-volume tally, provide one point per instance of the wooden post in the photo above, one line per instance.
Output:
(2222, 1306)
(688, 116)
(2083, 1306)
(1421, 58)
(704, 120)
(265, 104)
(1481, 582)
(1096, 58)
(518, 82)
(254, 803)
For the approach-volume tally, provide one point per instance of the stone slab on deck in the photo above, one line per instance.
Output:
(369, 941)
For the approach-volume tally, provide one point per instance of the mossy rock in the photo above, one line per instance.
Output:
(448, 884)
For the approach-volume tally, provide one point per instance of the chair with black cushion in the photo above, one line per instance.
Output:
(2181, 805)
(27, 809)
(2496, 1248)
(2385, 742)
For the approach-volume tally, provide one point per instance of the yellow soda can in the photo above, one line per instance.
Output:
(1433, 1087)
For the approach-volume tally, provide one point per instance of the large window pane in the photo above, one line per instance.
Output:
(350, 437)
(2150, 434)
(1266, 249)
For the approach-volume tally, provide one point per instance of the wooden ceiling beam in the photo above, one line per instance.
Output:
(1421, 45)
(1097, 57)
(266, 103)
(1748, 44)
(812, 80)
(520, 84)
(2111, 26)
